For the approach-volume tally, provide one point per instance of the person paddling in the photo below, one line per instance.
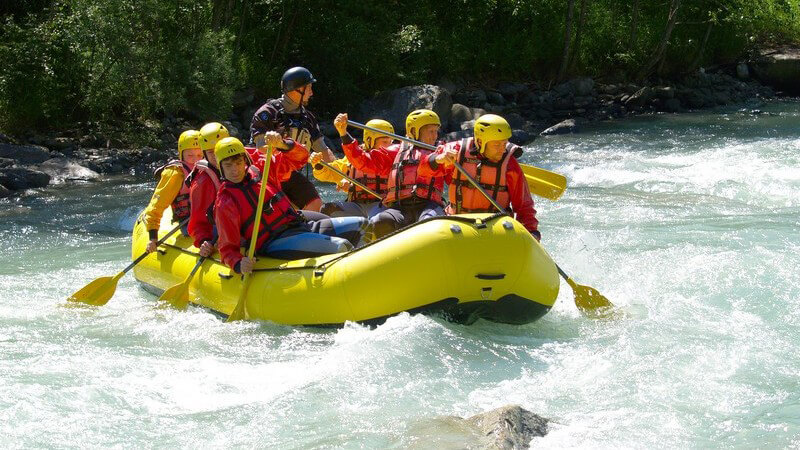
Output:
(204, 181)
(288, 116)
(359, 202)
(490, 159)
(284, 232)
(171, 190)
(410, 196)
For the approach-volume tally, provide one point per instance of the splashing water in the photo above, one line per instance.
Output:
(689, 223)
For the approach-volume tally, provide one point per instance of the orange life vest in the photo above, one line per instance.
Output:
(277, 214)
(180, 205)
(374, 182)
(464, 197)
(404, 183)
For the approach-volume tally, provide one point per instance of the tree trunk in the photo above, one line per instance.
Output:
(578, 34)
(662, 46)
(217, 14)
(699, 58)
(634, 22)
(562, 71)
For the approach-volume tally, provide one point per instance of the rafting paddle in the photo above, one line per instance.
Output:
(544, 183)
(178, 295)
(587, 298)
(100, 291)
(239, 311)
(348, 178)
(541, 182)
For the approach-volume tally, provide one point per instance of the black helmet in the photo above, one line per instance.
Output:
(295, 78)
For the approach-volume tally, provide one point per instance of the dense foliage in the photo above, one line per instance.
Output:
(63, 61)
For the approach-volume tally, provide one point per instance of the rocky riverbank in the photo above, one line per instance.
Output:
(532, 109)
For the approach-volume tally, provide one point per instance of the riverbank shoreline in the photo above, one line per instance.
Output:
(34, 161)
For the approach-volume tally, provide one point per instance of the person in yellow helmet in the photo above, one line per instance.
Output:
(490, 159)
(359, 202)
(171, 189)
(204, 181)
(284, 232)
(410, 196)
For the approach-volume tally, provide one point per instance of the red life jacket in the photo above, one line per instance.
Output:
(277, 214)
(180, 206)
(374, 182)
(464, 197)
(404, 183)
(203, 166)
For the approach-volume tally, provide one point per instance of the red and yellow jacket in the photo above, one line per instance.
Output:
(503, 180)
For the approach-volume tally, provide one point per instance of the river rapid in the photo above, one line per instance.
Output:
(688, 223)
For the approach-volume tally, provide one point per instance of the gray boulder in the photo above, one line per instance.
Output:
(742, 71)
(4, 191)
(509, 427)
(521, 137)
(395, 105)
(566, 127)
(460, 113)
(20, 178)
(6, 162)
(458, 135)
(511, 90)
(467, 126)
(779, 68)
(495, 98)
(25, 154)
(514, 119)
(61, 169)
(672, 105)
(640, 97)
(582, 86)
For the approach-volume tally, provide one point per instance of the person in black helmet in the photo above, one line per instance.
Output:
(288, 116)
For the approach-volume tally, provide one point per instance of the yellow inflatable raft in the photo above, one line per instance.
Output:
(464, 267)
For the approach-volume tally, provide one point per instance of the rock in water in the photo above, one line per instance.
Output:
(510, 427)
(565, 127)
(25, 154)
(61, 169)
(20, 178)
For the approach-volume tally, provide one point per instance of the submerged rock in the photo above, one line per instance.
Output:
(565, 127)
(20, 178)
(509, 427)
(505, 428)
(61, 169)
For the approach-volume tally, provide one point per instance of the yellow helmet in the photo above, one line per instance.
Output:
(188, 140)
(228, 147)
(490, 127)
(418, 119)
(370, 136)
(210, 134)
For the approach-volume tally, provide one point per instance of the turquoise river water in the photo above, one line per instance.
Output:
(689, 223)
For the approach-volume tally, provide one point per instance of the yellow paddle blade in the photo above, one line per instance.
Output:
(544, 183)
(239, 312)
(98, 292)
(588, 299)
(177, 296)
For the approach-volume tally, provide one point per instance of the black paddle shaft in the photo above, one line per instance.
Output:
(160, 241)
